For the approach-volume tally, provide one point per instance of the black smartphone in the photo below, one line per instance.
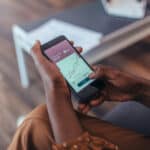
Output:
(73, 67)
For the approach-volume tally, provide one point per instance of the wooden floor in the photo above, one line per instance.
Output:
(16, 101)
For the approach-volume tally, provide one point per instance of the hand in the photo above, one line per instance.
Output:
(50, 74)
(119, 86)
(58, 99)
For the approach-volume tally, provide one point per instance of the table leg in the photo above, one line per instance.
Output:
(21, 61)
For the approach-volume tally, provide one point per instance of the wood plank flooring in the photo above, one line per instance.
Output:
(16, 101)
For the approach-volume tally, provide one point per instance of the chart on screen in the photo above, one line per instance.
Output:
(75, 70)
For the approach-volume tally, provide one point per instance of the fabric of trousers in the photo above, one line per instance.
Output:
(130, 115)
(35, 133)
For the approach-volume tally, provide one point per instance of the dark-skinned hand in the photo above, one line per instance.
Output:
(118, 86)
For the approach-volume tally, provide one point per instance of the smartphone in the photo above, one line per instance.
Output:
(73, 67)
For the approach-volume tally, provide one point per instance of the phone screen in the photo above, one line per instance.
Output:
(71, 65)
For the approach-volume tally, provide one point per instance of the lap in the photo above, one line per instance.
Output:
(130, 115)
(125, 139)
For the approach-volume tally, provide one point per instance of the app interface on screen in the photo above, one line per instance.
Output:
(73, 68)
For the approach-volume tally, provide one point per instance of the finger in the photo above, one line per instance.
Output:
(81, 106)
(79, 49)
(95, 67)
(98, 102)
(36, 53)
(95, 102)
(95, 74)
(106, 72)
(86, 109)
(35, 49)
(38, 56)
(71, 42)
(120, 97)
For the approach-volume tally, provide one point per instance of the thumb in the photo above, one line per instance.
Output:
(105, 72)
(98, 72)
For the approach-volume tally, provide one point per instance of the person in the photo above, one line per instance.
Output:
(58, 126)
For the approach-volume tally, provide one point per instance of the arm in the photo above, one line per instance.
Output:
(65, 124)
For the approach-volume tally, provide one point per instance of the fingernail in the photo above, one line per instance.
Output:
(92, 75)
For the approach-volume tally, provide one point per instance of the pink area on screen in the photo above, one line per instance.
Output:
(59, 51)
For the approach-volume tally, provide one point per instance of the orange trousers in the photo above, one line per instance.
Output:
(35, 133)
